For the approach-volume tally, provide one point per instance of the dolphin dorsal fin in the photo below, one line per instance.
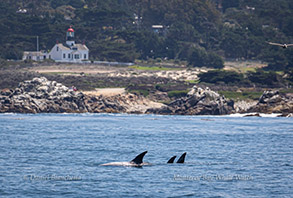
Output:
(182, 158)
(138, 159)
(171, 160)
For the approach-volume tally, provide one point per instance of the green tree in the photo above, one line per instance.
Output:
(198, 57)
(215, 61)
(230, 4)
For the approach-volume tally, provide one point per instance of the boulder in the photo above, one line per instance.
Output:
(40, 95)
(270, 97)
(198, 101)
(273, 101)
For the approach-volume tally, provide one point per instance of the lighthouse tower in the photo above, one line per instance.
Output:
(70, 37)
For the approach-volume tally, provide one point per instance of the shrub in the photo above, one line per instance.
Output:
(265, 78)
(140, 92)
(215, 76)
(177, 94)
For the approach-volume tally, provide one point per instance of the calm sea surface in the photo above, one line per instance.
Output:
(59, 155)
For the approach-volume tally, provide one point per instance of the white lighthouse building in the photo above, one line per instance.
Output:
(71, 52)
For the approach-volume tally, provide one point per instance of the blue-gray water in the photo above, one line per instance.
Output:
(41, 155)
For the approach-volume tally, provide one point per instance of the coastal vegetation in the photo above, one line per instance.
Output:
(243, 95)
(203, 33)
(257, 78)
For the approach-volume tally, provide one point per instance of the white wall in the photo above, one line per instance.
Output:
(84, 52)
(56, 55)
(34, 57)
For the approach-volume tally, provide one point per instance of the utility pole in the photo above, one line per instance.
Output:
(38, 55)
(37, 43)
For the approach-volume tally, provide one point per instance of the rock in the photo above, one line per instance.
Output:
(242, 106)
(253, 115)
(6, 92)
(287, 115)
(270, 97)
(273, 102)
(198, 102)
(41, 95)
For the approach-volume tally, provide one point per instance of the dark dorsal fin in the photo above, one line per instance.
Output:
(182, 158)
(138, 159)
(171, 160)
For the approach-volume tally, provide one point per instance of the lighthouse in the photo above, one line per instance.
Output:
(70, 37)
(71, 52)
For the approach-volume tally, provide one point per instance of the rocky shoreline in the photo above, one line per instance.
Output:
(43, 96)
(274, 102)
(40, 95)
(198, 102)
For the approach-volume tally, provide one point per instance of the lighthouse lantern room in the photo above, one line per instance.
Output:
(70, 36)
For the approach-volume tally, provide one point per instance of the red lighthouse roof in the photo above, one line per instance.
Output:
(70, 29)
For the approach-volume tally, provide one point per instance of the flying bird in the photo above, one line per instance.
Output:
(281, 45)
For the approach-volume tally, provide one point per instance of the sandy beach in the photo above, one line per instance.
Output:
(105, 92)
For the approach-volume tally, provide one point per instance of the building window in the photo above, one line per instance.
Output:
(57, 48)
(49, 56)
(64, 55)
(84, 56)
(76, 56)
(45, 57)
(68, 55)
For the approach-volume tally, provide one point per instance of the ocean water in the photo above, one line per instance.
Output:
(59, 155)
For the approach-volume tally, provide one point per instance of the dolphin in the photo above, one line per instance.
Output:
(171, 160)
(182, 158)
(136, 162)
